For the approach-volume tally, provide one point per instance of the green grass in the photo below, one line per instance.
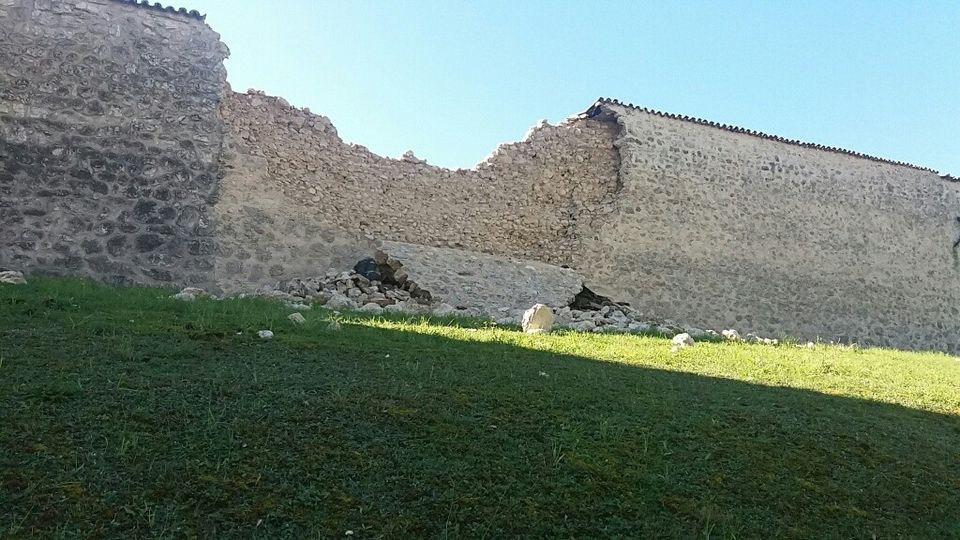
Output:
(126, 414)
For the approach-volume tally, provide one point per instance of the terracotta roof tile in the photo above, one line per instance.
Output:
(156, 6)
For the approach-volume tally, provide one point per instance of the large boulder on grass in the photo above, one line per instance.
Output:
(538, 319)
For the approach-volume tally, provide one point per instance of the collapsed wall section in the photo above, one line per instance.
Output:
(109, 140)
(722, 229)
(533, 199)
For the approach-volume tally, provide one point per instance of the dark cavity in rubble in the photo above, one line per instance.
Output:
(369, 269)
(587, 300)
(389, 271)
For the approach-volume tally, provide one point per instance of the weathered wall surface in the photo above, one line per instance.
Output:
(109, 140)
(721, 229)
(264, 236)
(684, 221)
(533, 200)
(497, 286)
(124, 156)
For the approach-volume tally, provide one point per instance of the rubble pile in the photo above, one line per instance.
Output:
(375, 284)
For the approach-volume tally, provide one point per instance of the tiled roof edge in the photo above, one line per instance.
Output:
(156, 6)
(595, 110)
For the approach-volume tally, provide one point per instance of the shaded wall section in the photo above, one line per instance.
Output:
(109, 140)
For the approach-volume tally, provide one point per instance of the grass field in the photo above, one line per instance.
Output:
(126, 414)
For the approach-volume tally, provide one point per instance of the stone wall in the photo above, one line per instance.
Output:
(687, 221)
(723, 229)
(264, 235)
(125, 156)
(535, 199)
(109, 140)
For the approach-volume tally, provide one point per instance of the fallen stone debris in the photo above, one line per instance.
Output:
(682, 341)
(380, 284)
(374, 284)
(190, 294)
(12, 277)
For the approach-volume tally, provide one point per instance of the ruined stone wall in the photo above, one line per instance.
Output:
(264, 236)
(723, 229)
(109, 140)
(685, 221)
(124, 156)
(535, 199)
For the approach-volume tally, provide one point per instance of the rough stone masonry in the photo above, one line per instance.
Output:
(125, 156)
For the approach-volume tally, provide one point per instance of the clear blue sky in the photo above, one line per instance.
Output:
(451, 79)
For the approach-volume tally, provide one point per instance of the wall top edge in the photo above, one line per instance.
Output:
(156, 6)
(597, 108)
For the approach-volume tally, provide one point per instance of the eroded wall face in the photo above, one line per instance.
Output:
(264, 236)
(693, 223)
(534, 200)
(720, 229)
(109, 140)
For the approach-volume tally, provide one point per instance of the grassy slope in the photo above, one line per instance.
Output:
(124, 413)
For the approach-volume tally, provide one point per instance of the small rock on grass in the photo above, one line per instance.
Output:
(339, 301)
(681, 341)
(297, 318)
(189, 294)
(334, 326)
(371, 308)
(12, 277)
(731, 335)
(265, 334)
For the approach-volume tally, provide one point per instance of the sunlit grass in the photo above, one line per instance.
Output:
(928, 381)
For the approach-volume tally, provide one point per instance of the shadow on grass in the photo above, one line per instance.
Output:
(154, 418)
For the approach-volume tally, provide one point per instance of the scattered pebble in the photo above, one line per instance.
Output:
(731, 335)
(297, 318)
(334, 326)
(265, 334)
